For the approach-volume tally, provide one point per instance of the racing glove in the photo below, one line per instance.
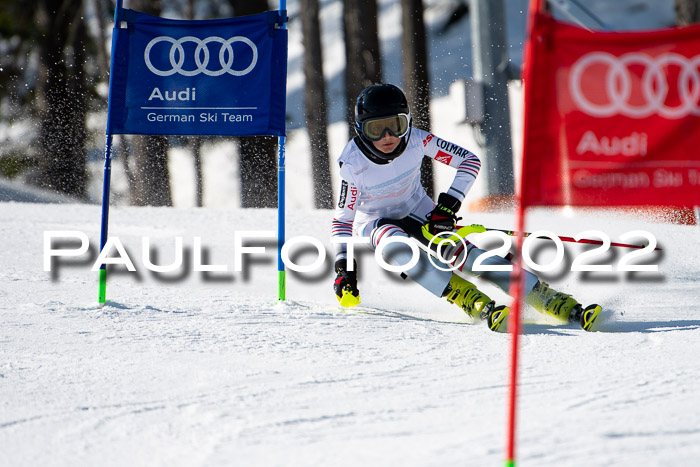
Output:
(444, 217)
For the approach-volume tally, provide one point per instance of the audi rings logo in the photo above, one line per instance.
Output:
(653, 89)
(201, 56)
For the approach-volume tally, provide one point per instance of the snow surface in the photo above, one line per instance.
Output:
(190, 368)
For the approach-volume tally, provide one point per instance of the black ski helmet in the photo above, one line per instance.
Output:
(380, 100)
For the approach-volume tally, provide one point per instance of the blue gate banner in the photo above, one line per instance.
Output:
(203, 77)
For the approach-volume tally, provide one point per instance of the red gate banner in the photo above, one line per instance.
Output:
(611, 118)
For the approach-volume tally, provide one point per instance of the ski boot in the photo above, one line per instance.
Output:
(475, 303)
(562, 306)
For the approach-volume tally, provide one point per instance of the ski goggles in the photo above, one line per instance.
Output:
(396, 125)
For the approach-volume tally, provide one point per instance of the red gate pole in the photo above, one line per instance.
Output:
(514, 325)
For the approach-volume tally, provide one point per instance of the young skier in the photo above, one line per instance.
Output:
(381, 196)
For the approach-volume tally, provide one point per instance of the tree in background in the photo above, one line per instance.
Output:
(61, 97)
(315, 104)
(687, 12)
(104, 10)
(257, 154)
(416, 83)
(17, 82)
(362, 58)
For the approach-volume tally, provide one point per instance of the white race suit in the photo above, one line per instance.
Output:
(384, 200)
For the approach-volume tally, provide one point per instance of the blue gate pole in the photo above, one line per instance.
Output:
(281, 285)
(281, 275)
(102, 294)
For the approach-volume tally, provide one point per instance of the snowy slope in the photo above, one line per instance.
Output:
(184, 369)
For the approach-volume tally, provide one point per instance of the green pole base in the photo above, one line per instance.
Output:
(102, 294)
(281, 285)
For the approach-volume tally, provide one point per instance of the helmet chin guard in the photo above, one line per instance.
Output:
(373, 103)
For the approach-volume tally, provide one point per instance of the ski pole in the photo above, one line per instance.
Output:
(513, 233)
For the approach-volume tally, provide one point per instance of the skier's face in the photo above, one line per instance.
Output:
(387, 144)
